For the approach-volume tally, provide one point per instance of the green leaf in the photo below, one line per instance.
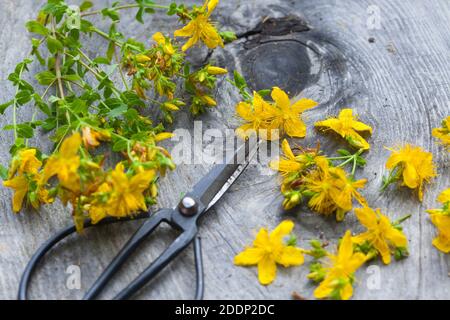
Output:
(239, 80)
(343, 152)
(3, 172)
(23, 97)
(86, 5)
(228, 36)
(49, 124)
(54, 45)
(60, 133)
(24, 130)
(264, 93)
(41, 104)
(4, 106)
(36, 27)
(73, 78)
(118, 111)
(111, 13)
(56, 8)
(139, 15)
(120, 145)
(110, 50)
(45, 78)
(101, 60)
(132, 99)
(173, 9)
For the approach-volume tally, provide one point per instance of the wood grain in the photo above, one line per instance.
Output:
(399, 83)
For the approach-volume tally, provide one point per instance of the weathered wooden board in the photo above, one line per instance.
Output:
(399, 82)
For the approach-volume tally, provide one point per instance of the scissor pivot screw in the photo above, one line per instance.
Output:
(188, 206)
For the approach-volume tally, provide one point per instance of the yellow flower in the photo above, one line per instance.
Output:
(441, 219)
(20, 186)
(443, 133)
(268, 251)
(380, 233)
(26, 165)
(159, 38)
(98, 208)
(288, 118)
(128, 193)
(332, 190)
(347, 126)
(289, 163)
(65, 163)
(92, 138)
(258, 117)
(200, 28)
(414, 165)
(340, 275)
(344, 189)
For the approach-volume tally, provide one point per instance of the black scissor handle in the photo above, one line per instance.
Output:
(164, 215)
(148, 227)
(174, 219)
(160, 263)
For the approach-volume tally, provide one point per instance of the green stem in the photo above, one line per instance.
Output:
(402, 219)
(391, 178)
(15, 105)
(106, 36)
(124, 7)
(122, 76)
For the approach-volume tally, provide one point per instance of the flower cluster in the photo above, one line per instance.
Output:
(81, 181)
(441, 219)
(89, 110)
(309, 174)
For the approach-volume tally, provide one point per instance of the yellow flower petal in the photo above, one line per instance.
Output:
(281, 98)
(20, 186)
(366, 217)
(267, 270)
(282, 230)
(384, 251)
(286, 148)
(410, 176)
(295, 128)
(186, 31)
(347, 292)
(249, 257)
(303, 104)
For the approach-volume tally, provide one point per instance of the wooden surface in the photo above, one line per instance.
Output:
(399, 83)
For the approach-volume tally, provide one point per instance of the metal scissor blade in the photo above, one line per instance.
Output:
(219, 179)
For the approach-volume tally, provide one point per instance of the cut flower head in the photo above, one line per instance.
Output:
(272, 120)
(201, 28)
(347, 126)
(339, 277)
(268, 250)
(381, 235)
(412, 167)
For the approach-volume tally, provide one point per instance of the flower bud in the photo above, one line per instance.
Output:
(216, 70)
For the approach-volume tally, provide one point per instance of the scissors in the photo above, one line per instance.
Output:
(184, 218)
